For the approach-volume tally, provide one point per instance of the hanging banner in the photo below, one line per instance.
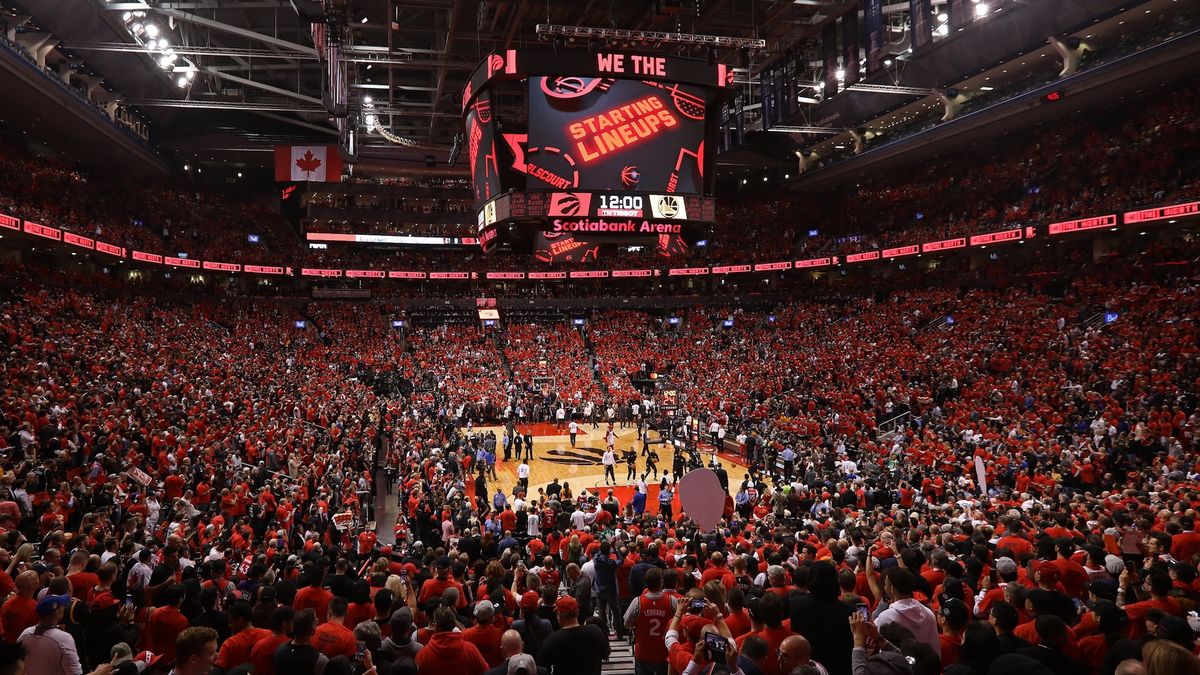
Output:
(850, 45)
(922, 23)
(829, 58)
(961, 12)
(873, 29)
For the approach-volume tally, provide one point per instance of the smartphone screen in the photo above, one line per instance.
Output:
(361, 651)
(864, 611)
(714, 647)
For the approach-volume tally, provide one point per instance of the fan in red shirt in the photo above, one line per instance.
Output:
(237, 648)
(332, 637)
(313, 596)
(447, 651)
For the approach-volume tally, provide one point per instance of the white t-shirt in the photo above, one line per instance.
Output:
(523, 470)
(573, 427)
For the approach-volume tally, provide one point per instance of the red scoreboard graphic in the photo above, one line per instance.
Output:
(597, 133)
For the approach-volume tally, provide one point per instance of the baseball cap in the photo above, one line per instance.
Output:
(529, 600)
(48, 604)
(1114, 564)
(889, 663)
(484, 609)
(40, 568)
(120, 653)
(1048, 571)
(954, 610)
(521, 664)
(1006, 565)
(566, 605)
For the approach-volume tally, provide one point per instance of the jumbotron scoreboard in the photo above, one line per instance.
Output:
(574, 152)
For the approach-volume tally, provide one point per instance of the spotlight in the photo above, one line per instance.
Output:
(840, 74)
(943, 17)
(363, 20)
(137, 28)
(887, 62)
(368, 100)
(190, 74)
(152, 30)
(152, 44)
(166, 62)
(181, 82)
(127, 17)
(981, 10)
(239, 174)
(943, 30)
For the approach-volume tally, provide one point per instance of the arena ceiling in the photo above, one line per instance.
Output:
(258, 81)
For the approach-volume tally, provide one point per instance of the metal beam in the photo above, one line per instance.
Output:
(890, 89)
(788, 129)
(237, 30)
(372, 57)
(209, 4)
(250, 106)
(296, 122)
(261, 85)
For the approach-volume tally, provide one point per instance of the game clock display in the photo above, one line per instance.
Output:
(598, 133)
(659, 207)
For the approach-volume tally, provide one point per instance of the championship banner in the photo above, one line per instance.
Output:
(314, 163)
(343, 521)
(140, 476)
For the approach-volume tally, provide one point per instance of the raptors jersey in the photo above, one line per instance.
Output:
(654, 615)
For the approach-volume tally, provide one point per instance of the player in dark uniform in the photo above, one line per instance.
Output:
(652, 462)
(630, 464)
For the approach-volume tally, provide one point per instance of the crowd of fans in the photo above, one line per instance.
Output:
(187, 486)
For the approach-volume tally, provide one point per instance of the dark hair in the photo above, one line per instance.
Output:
(980, 646)
(902, 580)
(770, 610)
(240, 610)
(10, 655)
(754, 648)
(281, 617)
(337, 606)
(1005, 615)
(304, 624)
(823, 581)
(653, 581)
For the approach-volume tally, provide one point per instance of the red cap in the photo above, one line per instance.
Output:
(1048, 572)
(566, 605)
(691, 625)
(529, 600)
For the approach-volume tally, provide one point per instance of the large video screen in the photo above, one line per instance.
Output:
(613, 134)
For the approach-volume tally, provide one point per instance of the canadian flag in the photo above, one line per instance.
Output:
(320, 163)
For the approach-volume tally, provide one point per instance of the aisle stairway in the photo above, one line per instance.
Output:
(592, 361)
(620, 658)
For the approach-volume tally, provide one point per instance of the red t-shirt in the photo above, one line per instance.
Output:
(16, 615)
(334, 639)
(263, 654)
(316, 599)
(237, 648)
